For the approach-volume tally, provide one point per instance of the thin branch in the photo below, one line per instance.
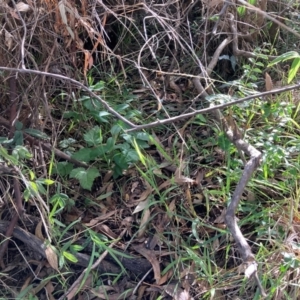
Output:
(79, 84)
(266, 15)
(213, 108)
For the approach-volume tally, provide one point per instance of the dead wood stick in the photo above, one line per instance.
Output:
(250, 167)
(253, 163)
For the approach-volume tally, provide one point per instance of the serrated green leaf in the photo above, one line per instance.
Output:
(116, 129)
(94, 136)
(83, 154)
(36, 133)
(92, 105)
(63, 168)
(85, 177)
(110, 144)
(142, 136)
(98, 152)
(128, 137)
(21, 152)
(73, 115)
(123, 146)
(66, 143)
(131, 156)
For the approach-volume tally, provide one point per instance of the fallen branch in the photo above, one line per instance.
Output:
(203, 94)
(233, 135)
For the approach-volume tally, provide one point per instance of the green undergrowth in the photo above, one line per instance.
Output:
(176, 187)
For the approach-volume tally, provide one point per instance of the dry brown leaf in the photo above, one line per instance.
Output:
(166, 277)
(189, 201)
(183, 179)
(268, 82)
(22, 7)
(26, 283)
(14, 14)
(198, 198)
(176, 292)
(221, 218)
(103, 217)
(107, 176)
(50, 289)
(141, 292)
(88, 61)
(212, 3)
(144, 222)
(165, 184)
(142, 197)
(107, 231)
(150, 255)
(141, 206)
(8, 39)
(72, 293)
(102, 290)
(38, 231)
(134, 185)
(51, 257)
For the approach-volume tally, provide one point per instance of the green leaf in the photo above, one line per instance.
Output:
(85, 177)
(294, 69)
(241, 10)
(5, 155)
(70, 256)
(92, 105)
(5, 140)
(110, 144)
(121, 107)
(94, 136)
(99, 86)
(73, 115)
(102, 115)
(76, 248)
(63, 168)
(66, 143)
(41, 188)
(36, 133)
(19, 125)
(120, 161)
(21, 152)
(59, 199)
(142, 136)
(98, 152)
(116, 129)
(18, 138)
(131, 156)
(83, 154)
(45, 181)
(284, 57)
